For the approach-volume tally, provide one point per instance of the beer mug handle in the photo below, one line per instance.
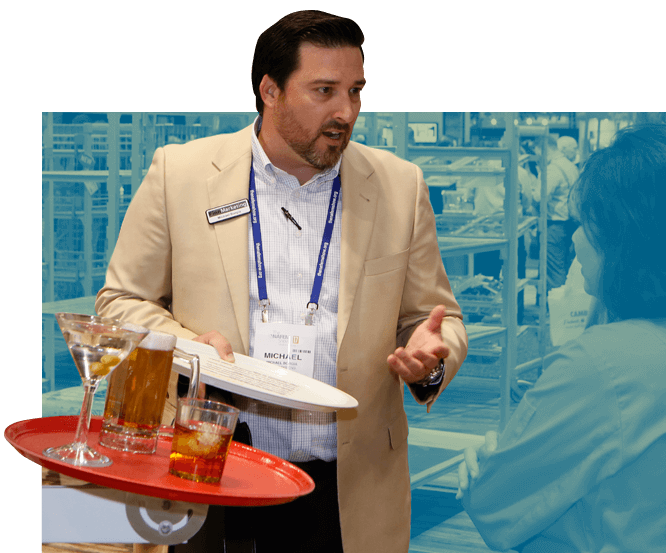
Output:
(193, 389)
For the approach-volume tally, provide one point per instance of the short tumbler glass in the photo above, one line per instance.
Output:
(201, 439)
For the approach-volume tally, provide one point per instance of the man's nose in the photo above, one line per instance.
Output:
(346, 110)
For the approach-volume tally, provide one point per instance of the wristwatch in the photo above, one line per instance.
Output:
(435, 376)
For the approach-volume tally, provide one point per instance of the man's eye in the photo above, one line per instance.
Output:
(325, 89)
(355, 91)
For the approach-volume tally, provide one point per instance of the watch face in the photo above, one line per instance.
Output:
(437, 373)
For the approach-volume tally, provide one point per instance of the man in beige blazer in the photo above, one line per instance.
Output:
(173, 271)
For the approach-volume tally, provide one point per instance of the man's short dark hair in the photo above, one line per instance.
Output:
(277, 51)
(620, 199)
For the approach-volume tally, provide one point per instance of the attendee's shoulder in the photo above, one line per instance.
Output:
(612, 348)
(633, 332)
(605, 359)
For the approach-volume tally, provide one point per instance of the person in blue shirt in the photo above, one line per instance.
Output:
(580, 465)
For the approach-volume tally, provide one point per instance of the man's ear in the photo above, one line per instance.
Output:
(269, 91)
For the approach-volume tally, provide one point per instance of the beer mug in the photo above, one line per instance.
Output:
(136, 394)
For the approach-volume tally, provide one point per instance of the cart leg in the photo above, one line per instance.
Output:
(150, 548)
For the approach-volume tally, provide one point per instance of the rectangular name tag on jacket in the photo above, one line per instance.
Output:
(228, 211)
(286, 345)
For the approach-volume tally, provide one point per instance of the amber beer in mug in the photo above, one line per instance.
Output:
(136, 395)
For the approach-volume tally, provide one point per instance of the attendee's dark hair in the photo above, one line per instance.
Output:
(277, 51)
(620, 199)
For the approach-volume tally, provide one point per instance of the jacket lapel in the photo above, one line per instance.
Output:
(359, 204)
(231, 184)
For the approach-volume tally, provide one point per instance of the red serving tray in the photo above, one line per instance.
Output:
(251, 477)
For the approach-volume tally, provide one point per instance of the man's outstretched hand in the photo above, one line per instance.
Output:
(423, 350)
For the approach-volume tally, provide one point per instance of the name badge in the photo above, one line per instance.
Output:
(228, 211)
(286, 345)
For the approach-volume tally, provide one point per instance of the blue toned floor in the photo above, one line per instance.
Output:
(431, 508)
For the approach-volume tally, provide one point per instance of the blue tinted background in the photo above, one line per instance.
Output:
(81, 219)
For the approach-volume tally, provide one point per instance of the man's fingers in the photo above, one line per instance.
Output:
(411, 366)
(219, 342)
(417, 359)
(404, 367)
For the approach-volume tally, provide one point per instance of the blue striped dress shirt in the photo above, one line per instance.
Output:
(290, 257)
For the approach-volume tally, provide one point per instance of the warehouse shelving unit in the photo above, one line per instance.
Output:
(540, 134)
(450, 165)
(456, 246)
(90, 172)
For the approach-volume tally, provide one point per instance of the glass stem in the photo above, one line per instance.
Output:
(86, 411)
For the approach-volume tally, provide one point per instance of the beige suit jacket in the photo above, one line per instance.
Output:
(174, 272)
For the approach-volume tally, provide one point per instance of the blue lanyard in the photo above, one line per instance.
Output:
(313, 304)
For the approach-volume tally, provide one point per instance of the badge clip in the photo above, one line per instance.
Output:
(309, 316)
(264, 310)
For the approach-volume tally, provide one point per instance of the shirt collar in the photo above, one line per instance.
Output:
(260, 157)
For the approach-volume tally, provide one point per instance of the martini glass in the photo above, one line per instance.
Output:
(98, 345)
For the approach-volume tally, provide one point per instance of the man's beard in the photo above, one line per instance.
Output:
(298, 140)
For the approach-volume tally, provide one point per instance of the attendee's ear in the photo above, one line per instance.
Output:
(269, 91)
